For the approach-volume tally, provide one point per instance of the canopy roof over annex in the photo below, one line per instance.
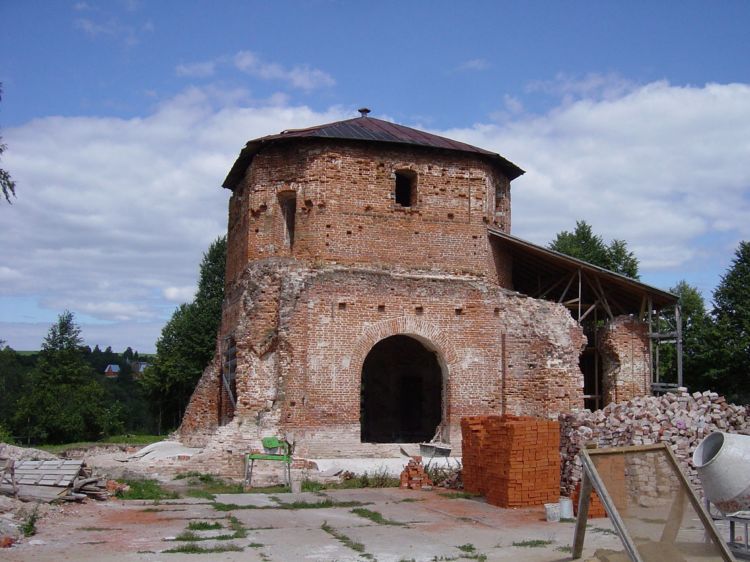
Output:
(581, 286)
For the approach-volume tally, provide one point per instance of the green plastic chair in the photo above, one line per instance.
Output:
(281, 453)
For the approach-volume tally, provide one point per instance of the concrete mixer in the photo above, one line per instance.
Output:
(723, 464)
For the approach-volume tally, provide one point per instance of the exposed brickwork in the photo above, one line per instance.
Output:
(308, 295)
(623, 343)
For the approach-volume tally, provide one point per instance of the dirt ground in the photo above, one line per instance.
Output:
(425, 525)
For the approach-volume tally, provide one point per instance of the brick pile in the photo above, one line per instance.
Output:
(414, 476)
(596, 507)
(680, 419)
(513, 461)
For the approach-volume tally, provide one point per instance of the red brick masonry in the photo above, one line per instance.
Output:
(513, 461)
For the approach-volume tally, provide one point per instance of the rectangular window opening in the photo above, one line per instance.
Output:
(288, 203)
(406, 188)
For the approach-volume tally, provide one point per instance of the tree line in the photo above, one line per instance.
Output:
(61, 395)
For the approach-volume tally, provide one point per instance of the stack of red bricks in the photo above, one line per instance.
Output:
(513, 461)
(414, 476)
(596, 507)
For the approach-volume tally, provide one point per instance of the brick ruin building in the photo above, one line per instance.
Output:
(374, 296)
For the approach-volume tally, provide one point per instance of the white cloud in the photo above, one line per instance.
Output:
(180, 294)
(475, 64)
(303, 77)
(660, 166)
(113, 215)
(591, 86)
(196, 69)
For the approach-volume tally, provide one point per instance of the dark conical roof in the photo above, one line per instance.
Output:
(367, 129)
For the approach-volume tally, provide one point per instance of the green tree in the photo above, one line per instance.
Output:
(728, 340)
(583, 244)
(13, 376)
(187, 342)
(695, 326)
(6, 182)
(64, 401)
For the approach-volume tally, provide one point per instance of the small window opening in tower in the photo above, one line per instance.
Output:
(406, 188)
(288, 203)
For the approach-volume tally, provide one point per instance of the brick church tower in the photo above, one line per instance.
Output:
(368, 303)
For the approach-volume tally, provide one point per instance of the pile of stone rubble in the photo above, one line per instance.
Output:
(679, 419)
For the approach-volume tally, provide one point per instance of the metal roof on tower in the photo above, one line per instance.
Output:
(367, 129)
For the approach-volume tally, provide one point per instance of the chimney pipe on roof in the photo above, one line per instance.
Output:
(363, 111)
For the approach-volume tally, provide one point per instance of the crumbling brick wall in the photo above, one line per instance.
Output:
(303, 336)
(623, 343)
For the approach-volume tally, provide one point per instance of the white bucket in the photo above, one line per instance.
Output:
(552, 510)
(566, 508)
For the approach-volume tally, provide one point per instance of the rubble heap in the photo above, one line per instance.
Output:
(513, 461)
(680, 419)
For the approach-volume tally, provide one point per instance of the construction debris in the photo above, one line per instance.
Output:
(414, 476)
(513, 461)
(679, 419)
(52, 480)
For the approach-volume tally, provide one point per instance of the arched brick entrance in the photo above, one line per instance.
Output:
(433, 341)
(401, 392)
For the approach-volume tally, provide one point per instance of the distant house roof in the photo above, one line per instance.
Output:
(112, 369)
(367, 129)
(139, 366)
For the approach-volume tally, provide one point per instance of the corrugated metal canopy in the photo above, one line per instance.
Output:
(538, 271)
(367, 129)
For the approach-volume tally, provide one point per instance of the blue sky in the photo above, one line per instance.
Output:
(123, 117)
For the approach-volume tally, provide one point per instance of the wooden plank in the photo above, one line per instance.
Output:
(584, 500)
(56, 472)
(33, 493)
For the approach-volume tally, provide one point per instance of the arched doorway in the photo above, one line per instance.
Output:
(401, 396)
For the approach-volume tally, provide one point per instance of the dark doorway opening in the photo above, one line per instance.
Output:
(590, 363)
(401, 399)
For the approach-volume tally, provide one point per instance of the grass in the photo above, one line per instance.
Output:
(202, 494)
(469, 552)
(603, 531)
(533, 543)
(375, 517)
(207, 485)
(197, 549)
(346, 541)
(239, 529)
(146, 490)
(377, 479)
(28, 527)
(203, 526)
(190, 536)
(111, 440)
(566, 548)
(567, 520)
(459, 495)
(292, 505)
